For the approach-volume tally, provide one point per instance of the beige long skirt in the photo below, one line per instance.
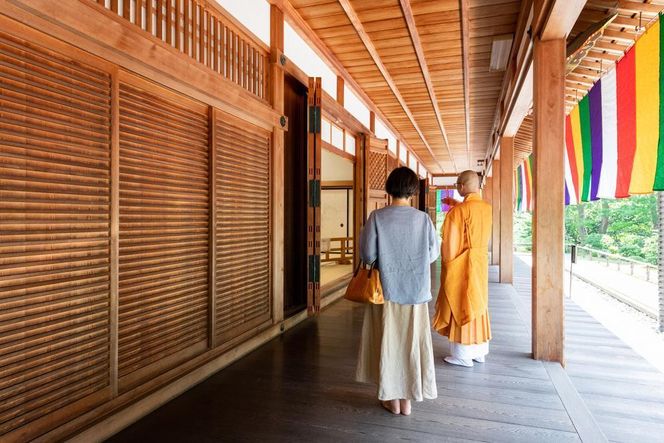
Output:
(396, 352)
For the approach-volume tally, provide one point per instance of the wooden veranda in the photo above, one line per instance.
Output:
(161, 172)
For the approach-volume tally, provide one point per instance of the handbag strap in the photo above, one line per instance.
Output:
(371, 268)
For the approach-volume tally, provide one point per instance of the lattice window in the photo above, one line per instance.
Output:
(377, 170)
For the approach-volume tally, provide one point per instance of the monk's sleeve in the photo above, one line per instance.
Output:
(452, 235)
(369, 241)
(434, 242)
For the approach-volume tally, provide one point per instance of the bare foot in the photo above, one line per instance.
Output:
(392, 406)
(405, 406)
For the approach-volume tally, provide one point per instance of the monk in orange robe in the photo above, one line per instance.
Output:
(462, 307)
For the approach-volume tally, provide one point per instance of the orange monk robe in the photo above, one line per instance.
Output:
(462, 307)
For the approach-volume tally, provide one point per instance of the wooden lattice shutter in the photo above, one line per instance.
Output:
(392, 164)
(377, 171)
(163, 272)
(54, 236)
(243, 265)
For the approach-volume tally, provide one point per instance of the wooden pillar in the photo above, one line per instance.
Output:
(359, 195)
(506, 209)
(487, 191)
(340, 90)
(495, 228)
(277, 101)
(548, 215)
(487, 196)
(372, 122)
(398, 153)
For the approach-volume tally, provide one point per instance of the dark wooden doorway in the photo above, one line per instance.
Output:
(295, 197)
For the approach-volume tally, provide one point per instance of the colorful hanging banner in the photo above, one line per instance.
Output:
(443, 194)
(614, 136)
(523, 186)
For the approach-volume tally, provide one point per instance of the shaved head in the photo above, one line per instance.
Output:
(470, 181)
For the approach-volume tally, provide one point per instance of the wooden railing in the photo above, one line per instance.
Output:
(637, 268)
(205, 32)
(343, 254)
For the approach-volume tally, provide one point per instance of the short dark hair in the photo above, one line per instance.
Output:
(402, 183)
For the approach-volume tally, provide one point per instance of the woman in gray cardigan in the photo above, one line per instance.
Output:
(396, 351)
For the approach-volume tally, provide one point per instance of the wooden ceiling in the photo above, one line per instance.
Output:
(523, 140)
(425, 65)
(631, 21)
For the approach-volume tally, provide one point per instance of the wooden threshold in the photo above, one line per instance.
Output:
(335, 285)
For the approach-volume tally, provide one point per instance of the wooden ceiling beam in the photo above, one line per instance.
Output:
(373, 52)
(465, 38)
(557, 18)
(580, 80)
(613, 47)
(417, 44)
(627, 36)
(636, 7)
(294, 18)
(596, 55)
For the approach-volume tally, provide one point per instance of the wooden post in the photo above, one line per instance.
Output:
(487, 196)
(359, 197)
(340, 90)
(277, 100)
(398, 153)
(506, 209)
(372, 122)
(548, 216)
(487, 192)
(495, 228)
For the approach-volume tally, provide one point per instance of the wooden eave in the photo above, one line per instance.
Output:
(632, 20)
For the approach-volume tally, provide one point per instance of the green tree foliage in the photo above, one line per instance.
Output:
(627, 227)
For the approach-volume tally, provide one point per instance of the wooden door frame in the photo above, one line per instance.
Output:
(314, 152)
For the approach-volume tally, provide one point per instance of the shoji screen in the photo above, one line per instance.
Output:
(243, 279)
(54, 234)
(163, 269)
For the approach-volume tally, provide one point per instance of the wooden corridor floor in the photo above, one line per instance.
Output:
(300, 387)
(623, 391)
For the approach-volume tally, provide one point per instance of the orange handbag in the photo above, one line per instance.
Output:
(365, 286)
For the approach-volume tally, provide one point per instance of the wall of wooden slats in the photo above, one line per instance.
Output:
(163, 269)
(107, 205)
(242, 227)
(54, 232)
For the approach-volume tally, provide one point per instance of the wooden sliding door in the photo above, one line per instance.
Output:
(242, 236)
(164, 215)
(55, 224)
